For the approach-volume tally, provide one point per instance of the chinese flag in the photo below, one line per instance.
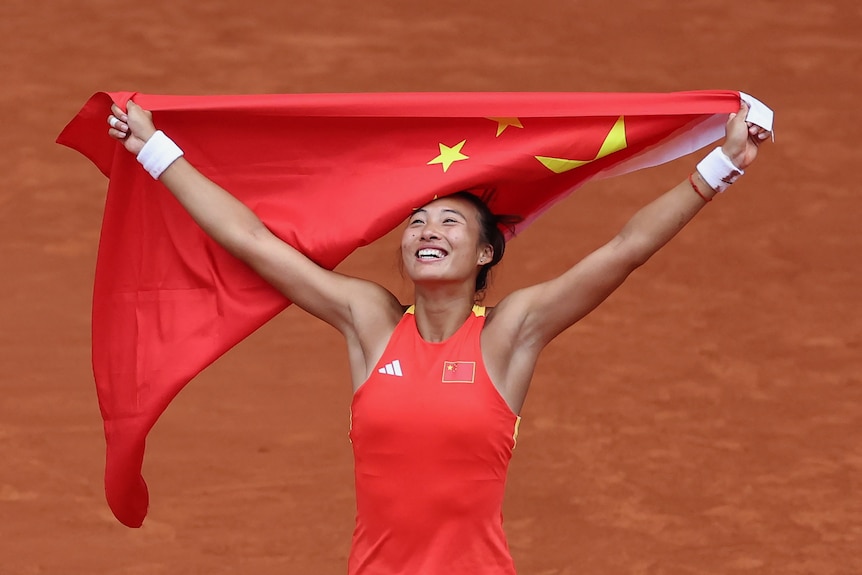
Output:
(327, 173)
(459, 372)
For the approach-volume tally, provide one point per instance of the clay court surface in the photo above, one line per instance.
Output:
(706, 420)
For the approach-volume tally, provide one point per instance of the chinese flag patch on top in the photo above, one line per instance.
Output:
(459, 371)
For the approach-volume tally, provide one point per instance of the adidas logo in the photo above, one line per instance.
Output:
(393, 368)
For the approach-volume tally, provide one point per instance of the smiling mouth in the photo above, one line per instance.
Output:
(430, 254)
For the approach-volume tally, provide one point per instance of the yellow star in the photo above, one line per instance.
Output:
(614, 142)
(503, 123)
(449, 155)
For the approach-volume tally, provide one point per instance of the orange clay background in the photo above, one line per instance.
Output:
(707, 419)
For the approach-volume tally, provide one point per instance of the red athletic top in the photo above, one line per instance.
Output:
(432, 439)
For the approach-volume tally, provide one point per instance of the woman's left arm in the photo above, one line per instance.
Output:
(547, 309)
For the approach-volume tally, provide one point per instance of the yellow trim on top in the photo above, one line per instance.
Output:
(478, 310)
(515, 434)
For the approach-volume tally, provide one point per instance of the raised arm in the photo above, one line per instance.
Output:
(332, 297)
(535, 315)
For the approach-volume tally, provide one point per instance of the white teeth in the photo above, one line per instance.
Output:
(429, 253)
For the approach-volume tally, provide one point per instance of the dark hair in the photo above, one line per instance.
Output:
(493, 227)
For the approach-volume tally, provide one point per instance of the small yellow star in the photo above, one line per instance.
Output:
(503, 123)
(449, 155)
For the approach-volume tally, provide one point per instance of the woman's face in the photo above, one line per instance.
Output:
(441, 242)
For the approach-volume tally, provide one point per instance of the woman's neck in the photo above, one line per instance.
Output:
(439, 314)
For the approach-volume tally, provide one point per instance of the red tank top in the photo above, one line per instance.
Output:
(432, 440)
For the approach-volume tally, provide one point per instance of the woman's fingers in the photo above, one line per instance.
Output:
(756, 130)
(119, 113)
(757, 134)
(118, 122)
(118, 128)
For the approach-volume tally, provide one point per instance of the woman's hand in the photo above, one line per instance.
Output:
(132, 128)
(742, 138)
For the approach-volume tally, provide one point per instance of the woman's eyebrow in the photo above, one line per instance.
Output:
(450, 210)
(444, 210)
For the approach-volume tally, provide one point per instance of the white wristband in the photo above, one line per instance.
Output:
(718, 171)
(158, 153)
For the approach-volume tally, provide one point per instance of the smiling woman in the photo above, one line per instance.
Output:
(491, 231)
(438, 385)
(434, 231)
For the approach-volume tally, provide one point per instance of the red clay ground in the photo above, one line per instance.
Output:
(707, 419)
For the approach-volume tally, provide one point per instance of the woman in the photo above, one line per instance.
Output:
(437, 385)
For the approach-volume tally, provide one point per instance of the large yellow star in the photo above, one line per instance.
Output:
(449, 155)
(503, 123)
(614, 142)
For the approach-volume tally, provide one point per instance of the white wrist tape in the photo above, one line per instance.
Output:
(718, 171)
(158, 153)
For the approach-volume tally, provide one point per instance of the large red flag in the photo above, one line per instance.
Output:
(327, 173)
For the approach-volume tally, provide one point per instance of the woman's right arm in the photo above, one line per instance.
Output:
(328, 295)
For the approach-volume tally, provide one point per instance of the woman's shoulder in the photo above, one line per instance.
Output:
(504, 320)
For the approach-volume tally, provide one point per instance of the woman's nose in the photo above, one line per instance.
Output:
(429, 232)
